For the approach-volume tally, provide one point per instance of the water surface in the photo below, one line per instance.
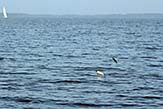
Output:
(50, 62)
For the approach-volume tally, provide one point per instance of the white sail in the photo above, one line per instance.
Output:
(4, 12)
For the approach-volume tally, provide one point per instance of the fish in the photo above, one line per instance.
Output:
(100, 72)
(114, 60)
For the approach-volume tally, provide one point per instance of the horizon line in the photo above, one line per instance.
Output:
(123, 14)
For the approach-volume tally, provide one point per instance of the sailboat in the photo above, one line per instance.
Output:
(4, 12)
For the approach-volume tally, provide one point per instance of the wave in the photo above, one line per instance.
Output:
(85, 104)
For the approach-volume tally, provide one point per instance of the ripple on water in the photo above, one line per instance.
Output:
(51, 62)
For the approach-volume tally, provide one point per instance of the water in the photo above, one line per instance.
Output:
(51, 62)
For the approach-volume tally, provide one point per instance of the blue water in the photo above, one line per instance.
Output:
(51, 62)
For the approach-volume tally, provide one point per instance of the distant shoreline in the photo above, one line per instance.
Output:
(138, 15)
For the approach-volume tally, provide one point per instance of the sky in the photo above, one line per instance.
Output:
(82, 7)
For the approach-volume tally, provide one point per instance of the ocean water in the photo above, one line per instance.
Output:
(51, 63)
